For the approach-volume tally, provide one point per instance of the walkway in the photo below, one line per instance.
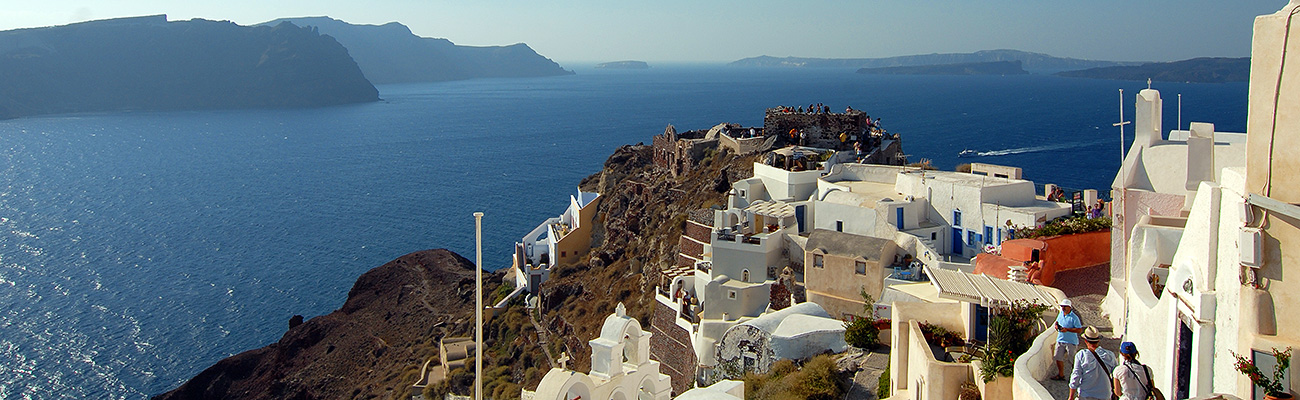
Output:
(867, 378)
(1085, 287)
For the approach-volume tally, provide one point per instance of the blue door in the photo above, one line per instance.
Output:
(798, 216)
(981, 323)
(957, 242)
(898, 212)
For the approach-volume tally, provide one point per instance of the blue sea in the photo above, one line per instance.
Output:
(138, 248)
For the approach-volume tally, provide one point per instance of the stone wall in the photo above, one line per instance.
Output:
(820, 129)
(671, 346)
(679, 153)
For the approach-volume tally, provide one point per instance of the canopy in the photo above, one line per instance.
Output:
(988, 291)
(773, 209)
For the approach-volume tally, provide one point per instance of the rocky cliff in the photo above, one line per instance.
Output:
(985, 68)
(1199, 70)
(374, 346)
(389, 323)
(148, 63)
(390, 53)
(1030, 61)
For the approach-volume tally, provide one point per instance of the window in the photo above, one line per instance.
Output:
(817, 261)
(988, 234)
(970, 238)
(934, 235)
(742, 193)
(839, 226)
(956, 217)
(731, 294)
(744, 275)
(860, 267)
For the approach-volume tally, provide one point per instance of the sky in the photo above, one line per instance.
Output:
(709, 31)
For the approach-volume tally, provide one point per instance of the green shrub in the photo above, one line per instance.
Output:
(1063, 226)
(862, 332)
(1009, 337)
(882, 385)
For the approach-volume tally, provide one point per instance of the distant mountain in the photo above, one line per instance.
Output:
(624, 65)
(985, 68)
(1200, 70)
(390, 53)
(147, 63)
(1029, 61)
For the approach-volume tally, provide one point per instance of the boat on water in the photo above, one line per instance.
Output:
(968, 153)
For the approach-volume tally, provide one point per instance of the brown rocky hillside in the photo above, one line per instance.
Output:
(373, 347)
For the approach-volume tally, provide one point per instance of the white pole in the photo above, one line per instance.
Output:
(1121, 128)
(1180, 111)
(478, 306)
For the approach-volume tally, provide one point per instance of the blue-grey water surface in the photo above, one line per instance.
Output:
(138, 248)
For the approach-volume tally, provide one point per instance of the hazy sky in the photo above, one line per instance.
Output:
(721, 31)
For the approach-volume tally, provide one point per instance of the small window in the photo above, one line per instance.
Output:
(988, 234)
(839, 226)
(731, 294)
(742, 193)
(744, 275)
(817, 261)
(970, 238)
(564, 254)
(860, 267)
(934, 235)
(956, 217)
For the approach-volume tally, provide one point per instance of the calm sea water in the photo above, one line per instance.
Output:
(137, 249)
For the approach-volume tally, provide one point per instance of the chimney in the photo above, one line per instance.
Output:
(1146, 124)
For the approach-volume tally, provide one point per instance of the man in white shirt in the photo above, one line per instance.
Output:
(1091, 379)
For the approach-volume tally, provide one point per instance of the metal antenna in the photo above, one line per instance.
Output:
(1180, 111)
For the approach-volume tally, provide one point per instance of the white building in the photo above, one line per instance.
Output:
(621, 368)
(558, 240)
(955, 213)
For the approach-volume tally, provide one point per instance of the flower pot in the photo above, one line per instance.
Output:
(1279, 396)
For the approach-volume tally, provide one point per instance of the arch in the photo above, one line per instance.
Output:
(619, 328)
(648, 388)
(560, 384)
(744, 275)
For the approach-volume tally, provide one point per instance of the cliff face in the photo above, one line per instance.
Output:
(390, 322)
(147, 63)
(1199, 70)
(985, 68)
(374, 345)
(390, 53)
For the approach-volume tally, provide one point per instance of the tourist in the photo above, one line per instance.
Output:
(1091, 379)
(1132, 378)
(1068, 327)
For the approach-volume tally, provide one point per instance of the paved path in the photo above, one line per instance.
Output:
(867, 378)
(1085, 287)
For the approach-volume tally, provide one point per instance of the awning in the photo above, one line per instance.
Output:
(988, 291)
(773, 209)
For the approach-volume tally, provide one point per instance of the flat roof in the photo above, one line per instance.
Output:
(966, 179)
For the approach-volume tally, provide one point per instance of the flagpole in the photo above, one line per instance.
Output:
(478, 306)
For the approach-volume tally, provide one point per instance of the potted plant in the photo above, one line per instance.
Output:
(1272, 385)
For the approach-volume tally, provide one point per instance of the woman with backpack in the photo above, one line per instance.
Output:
(1132, 378)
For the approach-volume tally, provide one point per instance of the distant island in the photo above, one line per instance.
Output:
(1029, 61)
(148, 63)
(1199, 70)
(983, 68)
(390, 53)
(624, 65)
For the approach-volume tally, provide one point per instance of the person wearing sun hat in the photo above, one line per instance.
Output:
(1091, 378)
(1132, 379)
(1068, 327)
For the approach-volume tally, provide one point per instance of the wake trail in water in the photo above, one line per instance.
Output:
(1033, 149)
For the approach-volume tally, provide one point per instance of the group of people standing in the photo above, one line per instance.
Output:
(1095, 374)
